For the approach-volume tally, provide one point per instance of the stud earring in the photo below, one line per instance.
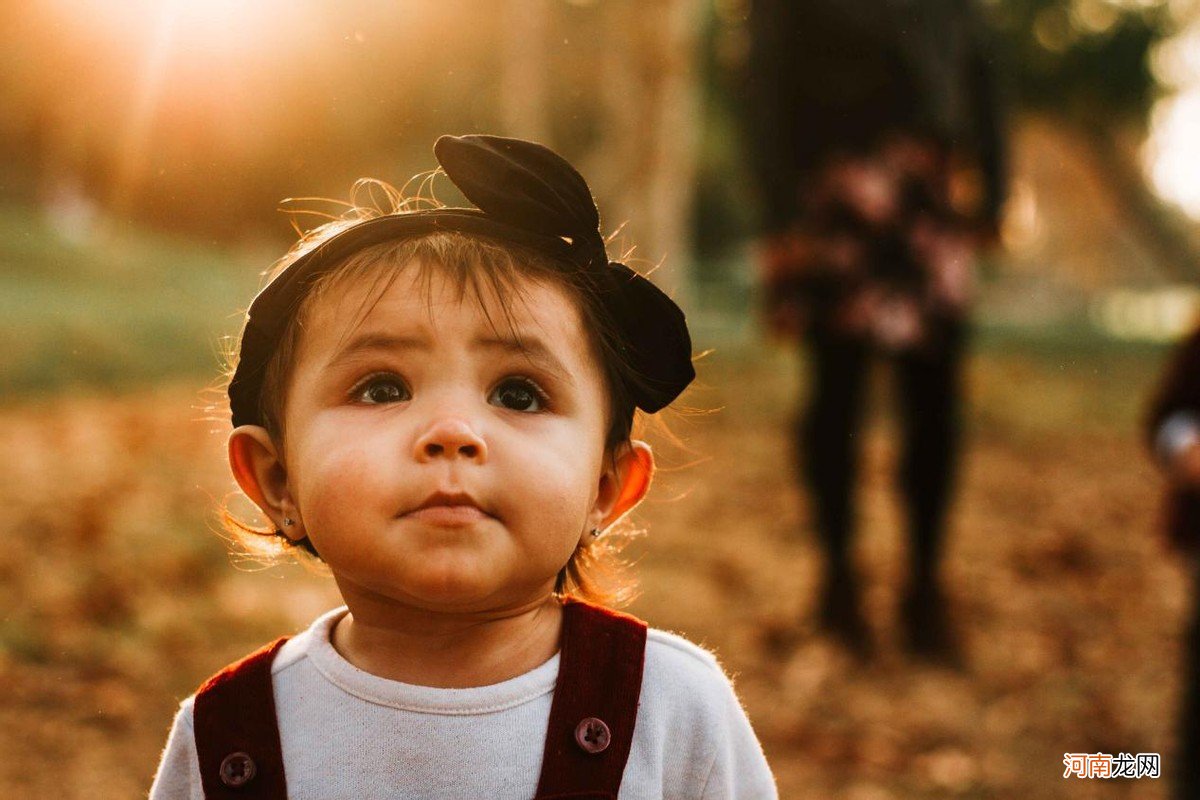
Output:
(288, 522)
(595, 533)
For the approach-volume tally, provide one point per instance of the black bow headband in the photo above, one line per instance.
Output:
(527, 194)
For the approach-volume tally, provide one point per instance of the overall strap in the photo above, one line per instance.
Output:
(237, 734)
(595, 704)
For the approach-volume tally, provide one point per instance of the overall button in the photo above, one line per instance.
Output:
(593, 735)
(236, 770)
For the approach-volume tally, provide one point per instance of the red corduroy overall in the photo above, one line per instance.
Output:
(587, 743)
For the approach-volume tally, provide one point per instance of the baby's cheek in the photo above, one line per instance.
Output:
(338, 481)
(561, 505)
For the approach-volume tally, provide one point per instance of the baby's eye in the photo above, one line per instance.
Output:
(380, 389)
(518, 394)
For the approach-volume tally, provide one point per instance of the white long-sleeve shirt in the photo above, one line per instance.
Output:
(347, 733)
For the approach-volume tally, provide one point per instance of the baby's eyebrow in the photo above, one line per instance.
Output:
(532, 348)
(368, 342)
(528, 346)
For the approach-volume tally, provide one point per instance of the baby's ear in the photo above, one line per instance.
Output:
(624, 481)
(256, 466)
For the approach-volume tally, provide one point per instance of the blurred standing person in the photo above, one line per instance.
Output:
(875, 136)
(1173, 430)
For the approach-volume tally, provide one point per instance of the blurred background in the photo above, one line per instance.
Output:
(145, 149)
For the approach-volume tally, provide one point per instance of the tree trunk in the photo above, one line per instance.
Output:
(649, 114)
(524, 100)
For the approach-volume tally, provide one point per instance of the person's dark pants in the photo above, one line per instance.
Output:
(1187, 753)
(829, 438)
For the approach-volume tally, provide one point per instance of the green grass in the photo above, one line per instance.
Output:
(124, 307)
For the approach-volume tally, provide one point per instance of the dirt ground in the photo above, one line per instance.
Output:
(118, 597)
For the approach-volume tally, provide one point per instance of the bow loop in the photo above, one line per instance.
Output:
(524, 184)
(661, 352)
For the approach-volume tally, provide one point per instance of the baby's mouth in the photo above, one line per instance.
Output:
(449, 510)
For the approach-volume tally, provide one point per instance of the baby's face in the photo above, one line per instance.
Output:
(432, 461)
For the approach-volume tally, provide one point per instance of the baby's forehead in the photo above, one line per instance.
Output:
(431, 300)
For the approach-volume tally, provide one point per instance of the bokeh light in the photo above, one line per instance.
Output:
(1172, 153)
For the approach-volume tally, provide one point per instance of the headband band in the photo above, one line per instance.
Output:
(525, 194)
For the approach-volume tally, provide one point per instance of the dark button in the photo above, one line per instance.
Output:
(237, 769)
(593, 735)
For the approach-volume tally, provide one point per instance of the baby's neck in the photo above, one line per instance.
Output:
(449, 650)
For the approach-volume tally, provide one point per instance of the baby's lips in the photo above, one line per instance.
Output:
(449, 505)
(449, 516)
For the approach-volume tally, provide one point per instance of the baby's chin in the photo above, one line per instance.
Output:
(460, 583)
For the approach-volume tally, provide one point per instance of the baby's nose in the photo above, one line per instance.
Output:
(451, 437)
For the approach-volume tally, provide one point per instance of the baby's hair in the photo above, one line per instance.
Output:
(482, 267)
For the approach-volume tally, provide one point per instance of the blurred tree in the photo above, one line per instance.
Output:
(1081, 58)
(202, 117)
(648, 97)
(1088, 64)
(524, 109)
